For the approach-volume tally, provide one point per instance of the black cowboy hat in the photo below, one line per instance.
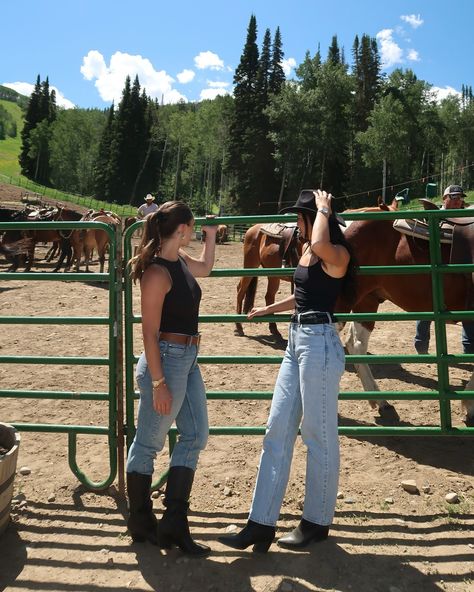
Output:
(305, 204)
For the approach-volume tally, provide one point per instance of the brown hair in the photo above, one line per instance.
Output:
(158, 226)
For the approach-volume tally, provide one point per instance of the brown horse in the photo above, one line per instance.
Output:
(85, 241)
(35, 236)
(262, 250)
(376, 242)
(266, 251)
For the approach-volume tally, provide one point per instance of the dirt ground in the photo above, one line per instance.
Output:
(64, 538)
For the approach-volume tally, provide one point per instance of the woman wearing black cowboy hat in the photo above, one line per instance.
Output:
(307, 386)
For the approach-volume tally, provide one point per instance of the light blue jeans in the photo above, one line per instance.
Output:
(306, 392)
(188, 409)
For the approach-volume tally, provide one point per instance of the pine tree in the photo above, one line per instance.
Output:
(102, 164)
(244, 126)
(308, 71)
(334, 55)
(32, 118)
(40, 114)
(277, 75)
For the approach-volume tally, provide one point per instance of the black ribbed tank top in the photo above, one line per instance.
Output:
(314, 289)
(181, 304)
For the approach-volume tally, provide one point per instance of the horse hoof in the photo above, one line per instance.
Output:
(469, 421)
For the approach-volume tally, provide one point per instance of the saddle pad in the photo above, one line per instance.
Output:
(276, 229)
(420, 229)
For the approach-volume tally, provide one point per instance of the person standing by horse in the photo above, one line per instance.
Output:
(148, 207)
(453, 198)
(307, 386)
(169, 379)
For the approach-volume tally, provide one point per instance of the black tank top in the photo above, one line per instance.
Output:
(314, 289)
(181, 304)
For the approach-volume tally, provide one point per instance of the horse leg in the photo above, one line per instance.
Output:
(468, 404)
(65, 253)
(31, 256)
(272, 288)
(357, 343)
(242, 288)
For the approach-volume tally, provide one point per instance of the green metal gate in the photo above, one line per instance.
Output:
(115, 359)
(112, 361)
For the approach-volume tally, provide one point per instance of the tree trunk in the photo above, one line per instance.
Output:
(140, 172)
(282, 188)
(175, 193)
(384, 179)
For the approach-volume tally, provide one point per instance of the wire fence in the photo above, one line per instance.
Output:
(35, 191)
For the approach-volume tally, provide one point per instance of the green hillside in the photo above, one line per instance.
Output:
(10, 148)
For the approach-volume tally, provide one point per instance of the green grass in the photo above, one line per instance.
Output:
(10, 148)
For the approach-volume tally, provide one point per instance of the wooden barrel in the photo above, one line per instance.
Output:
(10, 441)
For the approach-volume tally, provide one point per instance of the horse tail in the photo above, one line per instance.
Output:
(249, 298)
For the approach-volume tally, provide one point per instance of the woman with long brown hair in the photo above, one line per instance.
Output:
(169, 379)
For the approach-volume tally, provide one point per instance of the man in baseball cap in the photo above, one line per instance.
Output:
(453, 199)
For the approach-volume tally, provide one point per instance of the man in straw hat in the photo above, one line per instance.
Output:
(148, 207)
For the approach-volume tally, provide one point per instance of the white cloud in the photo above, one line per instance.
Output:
(25, 88)
(212, 93)
(208, 59)
(413, 20)
(413, 55)
(390, 52)
(217, 84)
(215, 88)
(288, 65)
(186, 76)
(439, 93)
(110, 79)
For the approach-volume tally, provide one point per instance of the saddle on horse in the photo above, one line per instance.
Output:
(287, 236)
(458, 232)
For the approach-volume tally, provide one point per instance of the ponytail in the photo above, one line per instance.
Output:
(158, 226)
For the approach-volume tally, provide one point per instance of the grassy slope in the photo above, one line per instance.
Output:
(10, 148)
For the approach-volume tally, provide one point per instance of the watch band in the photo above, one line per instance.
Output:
(324, 212)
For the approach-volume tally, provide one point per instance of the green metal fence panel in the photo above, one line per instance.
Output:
(112, 321)
(444, 394)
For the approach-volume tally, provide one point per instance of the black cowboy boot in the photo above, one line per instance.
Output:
(173, 528)
(303, 535)
(259, 535)
(142, 523)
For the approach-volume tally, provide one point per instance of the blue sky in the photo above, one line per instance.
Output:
(189, 50)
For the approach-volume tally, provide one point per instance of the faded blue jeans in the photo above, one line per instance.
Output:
(189, 409)
(422, 337)
(306, 392)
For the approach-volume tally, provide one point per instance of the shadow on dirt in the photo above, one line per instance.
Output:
(325, 566)
(13, 555)
(269, 341)
(447, 452)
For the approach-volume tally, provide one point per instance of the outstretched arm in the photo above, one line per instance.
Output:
(202, 267)
(280, 306)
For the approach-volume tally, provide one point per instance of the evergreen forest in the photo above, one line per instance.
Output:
(341, 124)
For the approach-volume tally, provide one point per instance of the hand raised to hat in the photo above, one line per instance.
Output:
(323, 200)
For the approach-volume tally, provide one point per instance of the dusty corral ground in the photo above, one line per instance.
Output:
(384, 539)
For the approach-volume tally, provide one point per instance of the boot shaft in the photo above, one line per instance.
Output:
(139, 492)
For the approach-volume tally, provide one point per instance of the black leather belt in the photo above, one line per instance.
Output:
(313, 318)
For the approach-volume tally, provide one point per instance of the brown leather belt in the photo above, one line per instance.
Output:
(180, 338)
